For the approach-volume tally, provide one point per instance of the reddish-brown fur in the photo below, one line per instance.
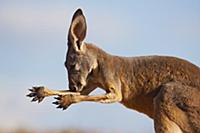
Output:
(167, 89)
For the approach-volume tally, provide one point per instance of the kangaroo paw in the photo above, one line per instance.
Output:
(64, 101)
(37, 94)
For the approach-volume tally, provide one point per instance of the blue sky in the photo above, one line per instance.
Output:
(33, 46)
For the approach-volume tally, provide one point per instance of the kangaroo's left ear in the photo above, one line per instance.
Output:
(77, 31)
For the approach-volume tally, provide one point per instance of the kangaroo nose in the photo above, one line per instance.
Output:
(74, 88)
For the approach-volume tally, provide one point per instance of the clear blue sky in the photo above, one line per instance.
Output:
(33, 46)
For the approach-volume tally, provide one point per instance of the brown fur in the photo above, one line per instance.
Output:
(167, 89)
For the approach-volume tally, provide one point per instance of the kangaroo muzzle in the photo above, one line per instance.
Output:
(76, 86)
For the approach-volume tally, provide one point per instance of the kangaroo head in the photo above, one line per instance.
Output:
(80, 62)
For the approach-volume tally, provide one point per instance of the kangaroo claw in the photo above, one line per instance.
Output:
(63, 101)
(37, 94)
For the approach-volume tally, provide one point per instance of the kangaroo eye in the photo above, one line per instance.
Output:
(72, 66)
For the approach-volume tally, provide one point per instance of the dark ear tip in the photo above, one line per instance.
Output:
(79, 11)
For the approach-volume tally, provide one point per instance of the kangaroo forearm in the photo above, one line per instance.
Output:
(82, 98)
(60, 92)
(107, 98)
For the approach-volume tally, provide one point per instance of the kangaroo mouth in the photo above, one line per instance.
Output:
(75, 88)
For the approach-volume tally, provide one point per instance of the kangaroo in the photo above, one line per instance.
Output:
(167, 89)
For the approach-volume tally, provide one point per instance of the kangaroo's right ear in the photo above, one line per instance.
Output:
(77, 30)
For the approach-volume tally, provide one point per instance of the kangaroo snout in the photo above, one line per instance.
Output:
(76, 85)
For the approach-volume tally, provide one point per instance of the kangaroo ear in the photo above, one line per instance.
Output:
(77, 31)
